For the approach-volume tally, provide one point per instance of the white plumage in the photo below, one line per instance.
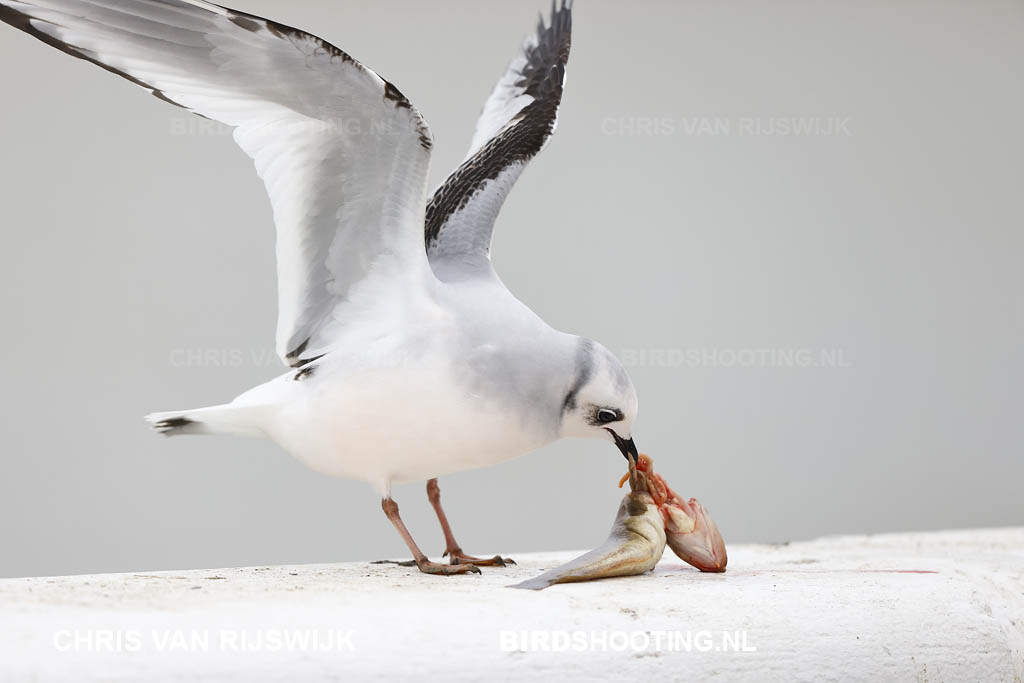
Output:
(402, 368)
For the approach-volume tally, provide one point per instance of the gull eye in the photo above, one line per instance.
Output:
(606, 415)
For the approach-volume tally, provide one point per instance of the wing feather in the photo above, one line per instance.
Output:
(516, 122)
(343, 154)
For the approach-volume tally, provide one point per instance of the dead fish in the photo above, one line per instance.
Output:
(634, 546)
(691, 533)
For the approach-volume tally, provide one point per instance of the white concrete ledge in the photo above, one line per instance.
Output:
(850, 609)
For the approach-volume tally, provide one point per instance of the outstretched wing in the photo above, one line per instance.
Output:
(343, 154)
(515, 124)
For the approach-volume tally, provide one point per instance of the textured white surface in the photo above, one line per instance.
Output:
(847, 608)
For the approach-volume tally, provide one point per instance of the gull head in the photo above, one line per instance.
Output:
(600, 402)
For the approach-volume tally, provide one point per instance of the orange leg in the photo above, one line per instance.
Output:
(419, 559)
(452, 549)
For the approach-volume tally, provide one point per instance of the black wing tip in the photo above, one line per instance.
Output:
(243, 20)
(295, 360)
(560, 19)
(293, 357)
(174, 422)
(254, 23)
(547, 53)
(174, 425)
(23, 22)
(305, 371)
(394, 95)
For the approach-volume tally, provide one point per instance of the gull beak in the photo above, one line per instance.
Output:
(626, 446)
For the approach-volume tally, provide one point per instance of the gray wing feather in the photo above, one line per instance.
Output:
(343, 154)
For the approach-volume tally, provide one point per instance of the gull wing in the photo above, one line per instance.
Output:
(343, 154)
(515, 125)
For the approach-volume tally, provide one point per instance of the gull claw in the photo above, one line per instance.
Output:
(458, 557)
(437, 568)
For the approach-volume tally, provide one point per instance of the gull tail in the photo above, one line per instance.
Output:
(223, 419)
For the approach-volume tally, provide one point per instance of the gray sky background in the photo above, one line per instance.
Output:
(798, 225)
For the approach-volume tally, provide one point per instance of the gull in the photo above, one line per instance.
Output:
(408, 358)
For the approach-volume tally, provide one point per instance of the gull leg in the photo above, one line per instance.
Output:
(452, 548)
(420, 560)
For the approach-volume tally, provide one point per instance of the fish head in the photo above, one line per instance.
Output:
(690, 531)
(693, 535)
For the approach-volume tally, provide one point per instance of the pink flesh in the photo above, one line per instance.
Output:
(691, 532)
(703, 547)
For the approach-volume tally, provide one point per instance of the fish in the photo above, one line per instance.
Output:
(650, 517)
(694, 537)
(691, 533)
(636, 542)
